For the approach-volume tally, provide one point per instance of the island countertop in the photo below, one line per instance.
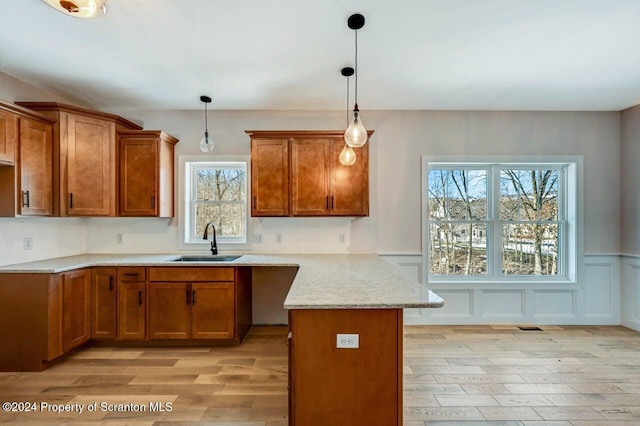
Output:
(323, 281)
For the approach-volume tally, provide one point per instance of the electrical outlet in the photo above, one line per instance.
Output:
(348, 341)
(278, 238)
(119, 238)
(257, 238)
(27, 243)
(343, 238)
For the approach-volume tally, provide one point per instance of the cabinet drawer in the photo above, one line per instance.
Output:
(131, 274)
(192, 274)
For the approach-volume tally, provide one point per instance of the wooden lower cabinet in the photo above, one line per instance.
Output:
(76, 308)
(350, 387)
(104, 302)
(132, 303)
(202, 310)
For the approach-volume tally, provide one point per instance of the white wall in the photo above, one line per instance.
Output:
(630, 217)
(400, 138)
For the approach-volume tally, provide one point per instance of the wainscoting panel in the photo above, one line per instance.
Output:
(555, 303)
(630, 290)
(503, 304)
(595, 300)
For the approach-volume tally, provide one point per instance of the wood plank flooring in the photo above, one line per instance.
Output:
(454, 375)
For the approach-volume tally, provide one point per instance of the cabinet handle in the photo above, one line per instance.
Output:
(254, 202)
(71, 200)
(130, 274)
(188, 299)
(327, 201)
(332, 202)
(25, 203)
(139, 297)
(110, 283)
(153, 202)
(193, 298)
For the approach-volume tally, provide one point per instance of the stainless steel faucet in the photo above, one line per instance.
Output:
(214, 245)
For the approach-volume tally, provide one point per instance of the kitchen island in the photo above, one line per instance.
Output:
(345, 322)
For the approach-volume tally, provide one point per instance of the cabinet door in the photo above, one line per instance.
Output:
(131, 310)
(169, 311)
(90, 166)
(76, 308)
(8, 137)
(310, 177)
(269, 177)
(349, 184)
(103, 303)
(213, 310)
(36, 168)
(138, 177)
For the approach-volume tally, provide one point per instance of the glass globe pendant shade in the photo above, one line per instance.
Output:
(86, 9)
(356, 134)
(347, 156)
(207, 144)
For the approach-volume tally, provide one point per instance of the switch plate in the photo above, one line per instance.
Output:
(27, 243)
(257, 238)
(278, 238)
(119, 238)
(343, 238)
(348, 341)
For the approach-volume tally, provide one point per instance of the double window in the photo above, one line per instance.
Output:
(215, 191)
(500, 221)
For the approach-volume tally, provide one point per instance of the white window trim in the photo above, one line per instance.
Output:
(574, 216)
(183, 209)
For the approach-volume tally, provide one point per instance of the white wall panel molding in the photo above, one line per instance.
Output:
(630, 292)
(594, 300)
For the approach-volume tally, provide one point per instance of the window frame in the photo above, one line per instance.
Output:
(569, 205)
(187, 165)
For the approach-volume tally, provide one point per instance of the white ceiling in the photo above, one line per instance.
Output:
(287, 54)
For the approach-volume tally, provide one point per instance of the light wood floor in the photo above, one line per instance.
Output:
(454, 375)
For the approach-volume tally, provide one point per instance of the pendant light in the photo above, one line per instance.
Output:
(356, 134)
(206, 144)
(87, 9)
(347, 155)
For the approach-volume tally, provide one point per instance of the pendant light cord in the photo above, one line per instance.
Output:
(206, 124)
(356, 64)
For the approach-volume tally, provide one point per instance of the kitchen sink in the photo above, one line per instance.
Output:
(216, 258)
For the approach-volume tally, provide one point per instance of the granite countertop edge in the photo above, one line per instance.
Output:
(323, 281)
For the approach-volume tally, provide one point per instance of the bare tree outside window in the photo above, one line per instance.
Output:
(494, 220)
(219, 196)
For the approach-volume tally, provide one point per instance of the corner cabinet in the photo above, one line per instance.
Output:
(146, 173)
(298, 173)
(26, 162)
(84, 158)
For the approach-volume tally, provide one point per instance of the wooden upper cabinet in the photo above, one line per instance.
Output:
(146, 173)
(269, 176)
(36, 168)
(8, 136)
(90, 166)
(349, 186)
(319, 184)
(310, 177)
(84, 158)
(26, 182)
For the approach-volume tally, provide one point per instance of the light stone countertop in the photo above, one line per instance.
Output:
(323, 281)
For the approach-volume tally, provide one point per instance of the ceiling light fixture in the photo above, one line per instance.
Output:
(206, 144)
(347, 155)
(87, 9)
(356, 134)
